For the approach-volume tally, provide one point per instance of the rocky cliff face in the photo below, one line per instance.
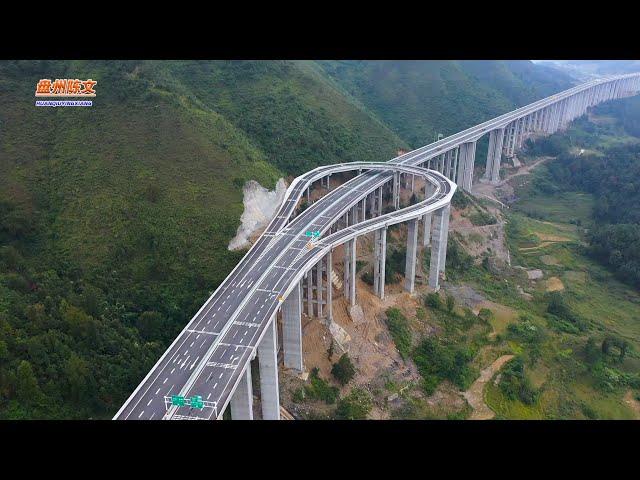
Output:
(260, 205)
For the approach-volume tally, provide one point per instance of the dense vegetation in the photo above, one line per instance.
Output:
(115, 219)
(419, 99)
(610, 173)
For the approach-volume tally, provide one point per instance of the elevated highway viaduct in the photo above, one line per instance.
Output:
(207, 367)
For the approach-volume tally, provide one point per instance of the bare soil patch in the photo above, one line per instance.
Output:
(554, 284)
(475, 394)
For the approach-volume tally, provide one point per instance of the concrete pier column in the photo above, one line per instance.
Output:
(292, 330)
(490, 154)
(242, 399)
(469, 163)
(372, 204)
(462, 160)
(268, 360)
(456, 162)
(438, 246)
(410, 260)
(380, 259)
(352, 272)
(447, 216)
(522, 131)
(310, 292)
(396, 189)
(426, 230)
(447, 166)
(513, 139)
(496, 155)
(329, 285)
(319, 270)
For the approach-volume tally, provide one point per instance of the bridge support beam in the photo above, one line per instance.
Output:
(268, 360)
(292, 330)
(329, 285)
(396, 190)
(494, 155)
(319, 287)
(309, 275)
(350, 271)
(242, 400)
(465, 165)
(426, 230)
(380, 259)
(438, 246)
(410, 261)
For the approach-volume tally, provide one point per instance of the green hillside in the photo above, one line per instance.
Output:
(418, 99)
(115, 219)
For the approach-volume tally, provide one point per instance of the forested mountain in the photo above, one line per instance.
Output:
(114, 219)
(420, 99)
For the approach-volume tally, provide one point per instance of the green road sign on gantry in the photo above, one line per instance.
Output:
(177, 400)
(196, 402)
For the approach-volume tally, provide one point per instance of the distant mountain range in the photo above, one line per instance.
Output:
(587, 69)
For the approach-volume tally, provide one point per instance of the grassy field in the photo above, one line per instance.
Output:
(546, 232)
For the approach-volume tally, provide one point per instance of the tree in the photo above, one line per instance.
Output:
(451, 303)
(77, 373)
(151, 325)
(27, 389)
(343, 370)
(4, 351)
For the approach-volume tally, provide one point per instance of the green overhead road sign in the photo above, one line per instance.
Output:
(177, 400)
(196, 402)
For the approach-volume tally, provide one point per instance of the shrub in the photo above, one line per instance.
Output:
(299, 395)
(481, 218)
(591, 351)
(433, 300)
(367, 277)
(460, 200)
(437, 362)
(525, 331)
(561, 315)
(355, 406)
(400, 332)
(451, 303)
(516, 385)
(152, 192)
(485, 314)
(319, 389)
(458, 260)
(343, 370)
